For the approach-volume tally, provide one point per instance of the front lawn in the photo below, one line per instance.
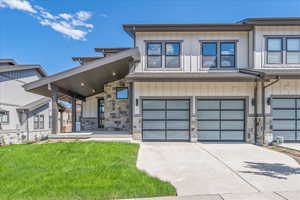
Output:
(78, 170)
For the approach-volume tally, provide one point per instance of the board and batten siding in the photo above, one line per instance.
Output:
(260, 43)
(192, 89)
(284, 88)
(190, 49)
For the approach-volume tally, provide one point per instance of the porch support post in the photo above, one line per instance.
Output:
(73, 114)
(54, 111)
(131, 107)
(61, 121)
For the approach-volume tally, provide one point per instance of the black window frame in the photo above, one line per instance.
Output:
(161, 54)
(293, 51)
(202, 47)
(101, 117)
(231, 55)
(274, 51)
(179, 54)
(8, 119)
(38, 124)
(120, 88)
(219, 54)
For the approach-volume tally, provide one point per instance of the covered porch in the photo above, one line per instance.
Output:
(85, 83)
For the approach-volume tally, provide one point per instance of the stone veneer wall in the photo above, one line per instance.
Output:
(116, 111)
(20, 137)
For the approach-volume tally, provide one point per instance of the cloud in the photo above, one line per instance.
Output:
(18, 4)
(83, 15)
(65, 16)
(65, 28)
(71, 25)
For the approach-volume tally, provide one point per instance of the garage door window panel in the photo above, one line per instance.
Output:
(224, 117)
(172, 119)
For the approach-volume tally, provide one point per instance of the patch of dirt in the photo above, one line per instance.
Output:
(290, 152)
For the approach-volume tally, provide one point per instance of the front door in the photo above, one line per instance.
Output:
(100, 113)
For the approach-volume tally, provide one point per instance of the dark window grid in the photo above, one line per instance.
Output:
(179, 63)
(221, 130)
(221, 109)
(227, 55)
(222, 119)
(170, 109)
(290, 51)
(41, 121)
(296, 108)
(120, 89)
(165, 120)
(7, 114)
(215, 55)
(154, 55)
(220, 116)
(274, 51)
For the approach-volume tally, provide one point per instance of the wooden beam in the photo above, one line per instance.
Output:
(54, 111)
(73, 114)
(66, 92)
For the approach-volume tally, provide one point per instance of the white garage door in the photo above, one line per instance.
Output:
(166, 120)
(286, 118)
(221, 119)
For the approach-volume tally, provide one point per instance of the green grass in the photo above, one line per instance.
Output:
(78, 170)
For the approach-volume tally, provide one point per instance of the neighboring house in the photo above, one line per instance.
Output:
(23, 116)
(190, 82)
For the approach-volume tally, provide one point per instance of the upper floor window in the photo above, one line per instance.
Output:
(283, 50)
(209, 54)
(275, 50)
(38, 121)
(227, 54)
(154, 55)
(293, 50)
(170, 51)
(4, 117)
(172, 54)
(218, 54)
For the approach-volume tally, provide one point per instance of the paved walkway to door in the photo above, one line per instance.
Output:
(203, 168)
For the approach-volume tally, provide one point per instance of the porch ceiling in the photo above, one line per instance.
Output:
(89, 79)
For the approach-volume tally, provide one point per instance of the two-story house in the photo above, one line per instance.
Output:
(191, 82)
(23, 116)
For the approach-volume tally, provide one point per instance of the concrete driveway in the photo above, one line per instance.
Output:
(229, 169)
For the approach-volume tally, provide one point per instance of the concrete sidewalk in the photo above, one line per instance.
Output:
(294, 146)
(246, 196)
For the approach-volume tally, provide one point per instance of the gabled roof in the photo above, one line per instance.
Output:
(272, 21)
(243, 25)
(34, 105)
(83, 60)
(109, 51)
(88, 79)
(10, 65)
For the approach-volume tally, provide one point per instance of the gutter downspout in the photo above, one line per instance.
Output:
(263, 99)
(259, 76)
(255, 111)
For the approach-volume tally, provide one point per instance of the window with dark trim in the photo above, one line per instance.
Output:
(227, 54)
(154, 55)
(293, 50)
(4, 117)
(122, 93)
(38, 121)
(172, 58)
(274, 50)
(218, 54)
(209, 54)
(100, 113)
